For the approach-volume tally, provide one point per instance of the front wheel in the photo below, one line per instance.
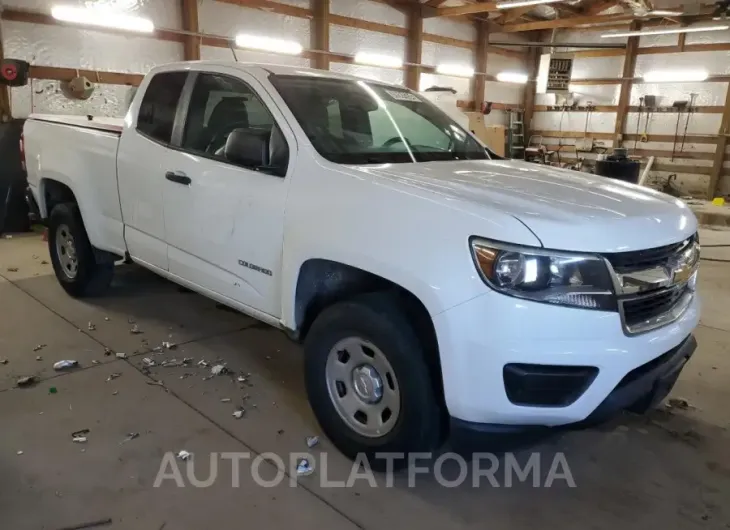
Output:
(74, 262)
(368, 381)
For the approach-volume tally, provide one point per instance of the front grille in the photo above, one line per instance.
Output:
(645, 259)
(638, 310)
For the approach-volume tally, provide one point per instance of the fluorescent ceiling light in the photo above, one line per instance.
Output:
(512, 77)
(102, 17)
(665, 13)
(668, 31)
(455, 69)
(524, 3)
(267, 44)
(376, 59)
(667, 76)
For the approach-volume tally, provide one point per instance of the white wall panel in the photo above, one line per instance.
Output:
(228, 20)
(588, 67)
(350, 41)
(667, 123)
(386, 75)
(652, 41)
(448, 27)
(371, 11)
(595, 94)
(433, 54)
(708, 94)
(603, 122)
(585, 36)
(709, 37)
(716, 63)
(163, 13)
(500, 63)
(504, 92)
(213, 53)
(45, 97)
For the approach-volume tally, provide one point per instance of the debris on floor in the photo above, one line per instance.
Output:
(203, 363)
(91, 524)
(225, 400)
(65, 365)
(156, 382)
(678, 403)
(39, 347)
(121, 355)
(91, 326)
(219, 369)
(312, 441)
(107, 351)
(131, 436)
(113, 376)
(19, 453)
(238, 413)
(184, 455)
(44, 262)
(12, 269)
(26, 381)
(135, 330)
(148, 362)
(38, 358)
(80, 437)
(169, 345)
(94, 361)
(3, 361)
(106, 319)
(304, 468)
(53, 390)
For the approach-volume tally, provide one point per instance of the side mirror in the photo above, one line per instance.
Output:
(247, 148)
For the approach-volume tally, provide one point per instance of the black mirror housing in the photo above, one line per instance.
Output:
(248, 148)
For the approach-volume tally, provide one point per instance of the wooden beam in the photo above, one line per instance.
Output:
(720, 149)
(320, 30)
(414, 47)
(533, 65)
(626, 82)
(5, 114)
(567, 22)
(66, 74)
(512, 15)
(480, 63)
(191, 44)
(682, 41)
(470, 9)
(691, 139)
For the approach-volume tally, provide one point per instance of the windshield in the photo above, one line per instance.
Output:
(362, 122)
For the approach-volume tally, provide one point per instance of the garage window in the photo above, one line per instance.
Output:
(157, 111)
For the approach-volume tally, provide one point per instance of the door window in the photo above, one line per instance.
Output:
(220, 105)
(159, 104)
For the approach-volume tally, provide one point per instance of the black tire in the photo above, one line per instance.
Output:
(93, 276)
(378, 319)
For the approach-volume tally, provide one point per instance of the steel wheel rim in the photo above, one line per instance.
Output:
(66, 252)
(363, 387)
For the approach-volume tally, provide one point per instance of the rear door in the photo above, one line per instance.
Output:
(143, 157)
(224, 219)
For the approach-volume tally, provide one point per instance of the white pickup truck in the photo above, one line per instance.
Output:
(434, 285)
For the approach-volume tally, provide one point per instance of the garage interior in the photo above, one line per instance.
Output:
(664, 96)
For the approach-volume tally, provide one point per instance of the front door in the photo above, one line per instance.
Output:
(142, 157)
(224, 214)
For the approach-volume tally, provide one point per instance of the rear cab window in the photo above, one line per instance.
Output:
(156, 117)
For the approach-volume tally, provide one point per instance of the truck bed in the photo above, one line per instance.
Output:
(82, 155)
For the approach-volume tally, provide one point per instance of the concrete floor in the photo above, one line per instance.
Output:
(670, 468)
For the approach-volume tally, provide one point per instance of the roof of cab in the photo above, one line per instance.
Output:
(278, 69)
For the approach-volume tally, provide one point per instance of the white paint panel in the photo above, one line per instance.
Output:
(603, 122)
(709, 37)
(504, 92)
(715, 63)
(229, 20)
(509, 37)
(591, 67)
(386, 75)
(351, 40)
(371, 11)
(434, 54)
(667, 146)
(500, 63)
(163, 13)
(708, 94)
(462, 85)
(448, 27)
(586, 36)
(212, 53)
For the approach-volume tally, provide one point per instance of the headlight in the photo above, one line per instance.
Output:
(545, 276)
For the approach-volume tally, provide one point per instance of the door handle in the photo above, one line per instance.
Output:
(178, 177)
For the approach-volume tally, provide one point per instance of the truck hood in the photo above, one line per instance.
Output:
(566, 210)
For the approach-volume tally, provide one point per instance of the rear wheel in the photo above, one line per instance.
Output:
(77, 268)
(368, 380)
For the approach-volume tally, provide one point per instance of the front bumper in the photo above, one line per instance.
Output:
(478, 338)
